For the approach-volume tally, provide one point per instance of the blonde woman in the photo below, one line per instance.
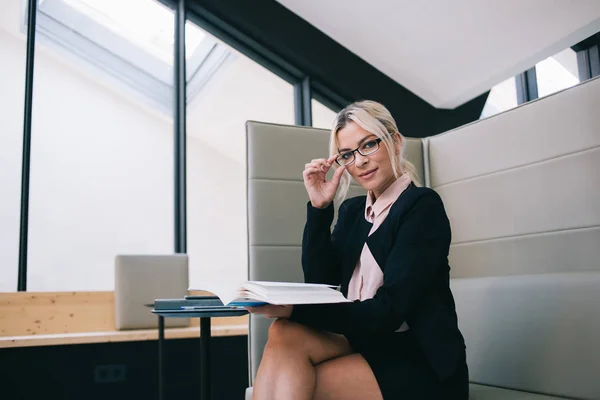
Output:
(399, 338)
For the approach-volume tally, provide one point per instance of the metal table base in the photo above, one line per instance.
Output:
(205, 335)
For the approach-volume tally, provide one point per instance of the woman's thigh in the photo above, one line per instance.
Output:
(318, 345)
(347, 377)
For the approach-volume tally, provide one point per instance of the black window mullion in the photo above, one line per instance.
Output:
(594, 60)
(26, 161)
(526, 83)
(302, 102)
(307, 101)
(588, 57)
(583, 65)
(179, 125)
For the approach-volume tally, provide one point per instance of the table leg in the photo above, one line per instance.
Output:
(205, 358)
(161, 358)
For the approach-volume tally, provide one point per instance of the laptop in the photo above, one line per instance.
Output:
(139, 280)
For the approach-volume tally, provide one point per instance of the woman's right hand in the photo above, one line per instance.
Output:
(320, 191)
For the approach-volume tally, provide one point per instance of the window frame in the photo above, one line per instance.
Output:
(86, 41)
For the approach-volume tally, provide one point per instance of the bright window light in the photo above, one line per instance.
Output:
(130, 43)
(557, 73)
(502, 97)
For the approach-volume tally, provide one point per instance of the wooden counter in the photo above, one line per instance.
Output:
(61, 318)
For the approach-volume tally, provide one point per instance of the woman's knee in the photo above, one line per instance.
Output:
(283, 330)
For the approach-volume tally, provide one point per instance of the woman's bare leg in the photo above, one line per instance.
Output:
(287, 369)
(346, 378)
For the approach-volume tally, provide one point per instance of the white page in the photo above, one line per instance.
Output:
(291, 284)
(222, 287)
(280, 292)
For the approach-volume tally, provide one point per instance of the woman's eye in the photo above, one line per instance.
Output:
(369, 145)
(346, 156)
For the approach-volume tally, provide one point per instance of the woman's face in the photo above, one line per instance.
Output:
(373, 172)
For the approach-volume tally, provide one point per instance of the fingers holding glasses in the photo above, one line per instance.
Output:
(313, 165)
(320, 164)
(310, 171)
(320, 191)
(324, 163)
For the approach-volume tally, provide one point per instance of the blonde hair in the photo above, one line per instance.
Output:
(376, 119)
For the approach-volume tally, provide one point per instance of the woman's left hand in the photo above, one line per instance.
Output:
(272, 311)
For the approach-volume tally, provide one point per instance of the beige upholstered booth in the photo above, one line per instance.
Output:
(522, 191)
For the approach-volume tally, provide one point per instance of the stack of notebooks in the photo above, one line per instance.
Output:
(190, 304)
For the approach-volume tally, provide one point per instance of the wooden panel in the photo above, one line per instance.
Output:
(225, 327)
(30, 313)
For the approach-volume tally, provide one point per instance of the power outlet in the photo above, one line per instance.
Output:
(109, 373)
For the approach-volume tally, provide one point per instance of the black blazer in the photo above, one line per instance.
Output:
(411, 246)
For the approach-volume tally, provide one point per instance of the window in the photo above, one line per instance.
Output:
(101, 180)
(133, 53)
(322, 116)
(101, 159)
(502, 97)
(12, 83)
(216, 141)
(557, 72)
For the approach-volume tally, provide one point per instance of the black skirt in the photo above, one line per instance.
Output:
(402, 371)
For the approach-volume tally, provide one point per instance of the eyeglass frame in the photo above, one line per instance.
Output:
(356, 150)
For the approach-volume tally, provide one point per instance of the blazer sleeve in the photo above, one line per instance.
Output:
(418, 254)
(320, 248)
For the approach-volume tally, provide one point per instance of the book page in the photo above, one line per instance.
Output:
(279, 293)
(290, 284)
(222, 287)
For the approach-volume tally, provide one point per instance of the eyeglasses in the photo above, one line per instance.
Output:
(365, 149)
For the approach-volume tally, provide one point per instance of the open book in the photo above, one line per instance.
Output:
(257, 293)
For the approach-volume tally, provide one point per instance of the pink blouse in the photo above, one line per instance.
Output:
(368, 276)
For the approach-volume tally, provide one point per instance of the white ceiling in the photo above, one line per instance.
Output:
(448, 52)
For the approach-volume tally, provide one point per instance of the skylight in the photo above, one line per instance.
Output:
(131, 42)
(153, 32)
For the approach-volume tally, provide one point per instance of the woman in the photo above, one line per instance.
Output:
(399, 338)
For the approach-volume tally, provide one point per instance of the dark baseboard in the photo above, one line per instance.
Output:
(122, 371)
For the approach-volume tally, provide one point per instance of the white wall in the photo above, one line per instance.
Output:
(102, 171)
(101, 175)
(217, 229)
(12, 78)
(322, 117)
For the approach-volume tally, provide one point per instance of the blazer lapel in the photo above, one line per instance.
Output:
(380, 242)
(383, 239)
(354, 245)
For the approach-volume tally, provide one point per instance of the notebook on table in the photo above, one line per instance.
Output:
(196, 306)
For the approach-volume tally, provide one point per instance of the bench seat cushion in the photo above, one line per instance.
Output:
(481, 392)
